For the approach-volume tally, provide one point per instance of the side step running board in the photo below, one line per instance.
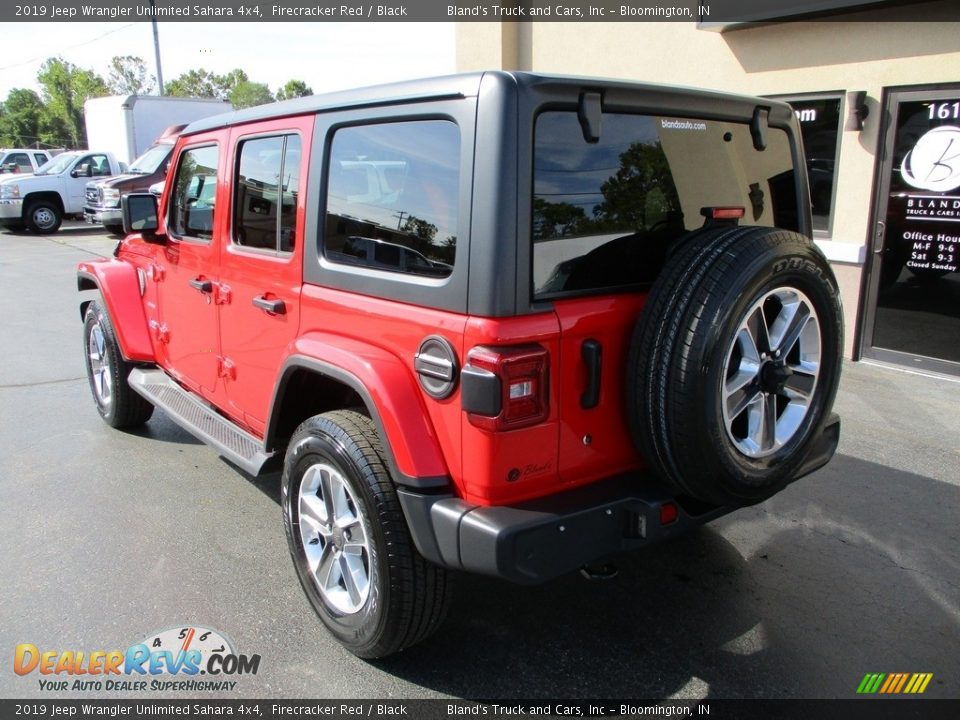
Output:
(195, 416)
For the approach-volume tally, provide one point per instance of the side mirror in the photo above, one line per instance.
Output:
(140, 215)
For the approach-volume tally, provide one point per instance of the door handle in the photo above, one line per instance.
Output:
(204, 286)
(274, 306)
(879, 237)
(592, 353)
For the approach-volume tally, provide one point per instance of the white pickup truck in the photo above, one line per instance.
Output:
(40, 201)
(22, 160)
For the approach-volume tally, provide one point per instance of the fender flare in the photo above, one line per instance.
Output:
(390, 394)
(120, 288)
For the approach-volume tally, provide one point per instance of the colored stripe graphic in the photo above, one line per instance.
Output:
(894, 683)
(870, 683)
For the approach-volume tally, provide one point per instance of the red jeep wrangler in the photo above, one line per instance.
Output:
(501, 323)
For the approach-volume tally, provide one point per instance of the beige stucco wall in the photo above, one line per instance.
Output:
(876, 50)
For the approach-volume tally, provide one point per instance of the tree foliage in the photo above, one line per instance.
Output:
(54, 117)
(196, 83)
(20, 118)
(637, 197)
(206, 84)
(248, 94)
(294, 89)
(65, 88)
(129, 76)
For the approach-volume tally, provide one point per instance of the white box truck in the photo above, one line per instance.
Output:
(128, 124)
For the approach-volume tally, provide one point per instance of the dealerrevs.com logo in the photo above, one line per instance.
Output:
(188, 658)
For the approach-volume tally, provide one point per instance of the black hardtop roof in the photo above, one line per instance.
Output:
(452, 86)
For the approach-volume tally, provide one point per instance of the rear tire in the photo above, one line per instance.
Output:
(118, 404)
(349, 540)
(734, 363)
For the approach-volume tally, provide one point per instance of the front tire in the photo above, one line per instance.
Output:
(118, 404)
(44, 217)
(349, 540)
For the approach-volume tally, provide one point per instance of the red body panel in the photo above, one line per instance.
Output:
(120, 288)
(504, 467)
(595, 442)
(189, 319)
(253, 342)
(375, 341)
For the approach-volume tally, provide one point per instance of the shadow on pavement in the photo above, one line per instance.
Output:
(842, 574)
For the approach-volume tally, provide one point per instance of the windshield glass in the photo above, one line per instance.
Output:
(150, 160)
(57, 165)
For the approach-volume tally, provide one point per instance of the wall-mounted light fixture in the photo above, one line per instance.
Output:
(859, 110)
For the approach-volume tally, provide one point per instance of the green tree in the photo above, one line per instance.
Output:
(247, 94)
(65, 88)
(203, 83)
(129, 76)
(553, 220)
(196, 83)
(20, 118)
(420, 228)
(294, 89)
(641, 192)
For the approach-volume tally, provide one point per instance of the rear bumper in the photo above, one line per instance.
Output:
(545, 538)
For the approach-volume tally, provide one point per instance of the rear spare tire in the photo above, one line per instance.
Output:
(734, 363)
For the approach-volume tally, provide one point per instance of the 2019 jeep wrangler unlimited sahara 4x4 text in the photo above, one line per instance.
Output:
(498, 323)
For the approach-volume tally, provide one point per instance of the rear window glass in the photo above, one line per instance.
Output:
(392, 197)
(605, 214)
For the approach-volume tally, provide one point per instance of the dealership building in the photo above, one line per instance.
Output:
(877, 93)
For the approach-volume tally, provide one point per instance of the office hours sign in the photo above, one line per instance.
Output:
(923, 215)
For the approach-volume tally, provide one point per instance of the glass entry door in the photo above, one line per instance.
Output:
(912, 315)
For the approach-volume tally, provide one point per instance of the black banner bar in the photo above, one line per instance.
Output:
(854, 709)
(709, 13)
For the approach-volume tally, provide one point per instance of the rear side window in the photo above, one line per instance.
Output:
(392, 197)
(194, 193)
(605, 214)
(265, 193)
(41, 159)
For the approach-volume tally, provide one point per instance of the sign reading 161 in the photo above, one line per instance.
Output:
(945, 110)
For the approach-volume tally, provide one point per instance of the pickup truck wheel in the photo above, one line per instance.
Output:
(118, 404)
(116, 230)
(43, 217)
(349, 540)
(735, 362)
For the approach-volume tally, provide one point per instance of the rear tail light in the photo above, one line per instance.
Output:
(505, 388)
(668, 513)
(723, 213)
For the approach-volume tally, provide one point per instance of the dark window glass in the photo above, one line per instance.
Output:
(392, 197)
(606, 213)
(820, 127)
(268, 175)
(194, 193)
(21, 160)
(94, 166)
(41, 159)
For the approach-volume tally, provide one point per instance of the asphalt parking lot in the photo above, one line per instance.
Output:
(109, 537)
